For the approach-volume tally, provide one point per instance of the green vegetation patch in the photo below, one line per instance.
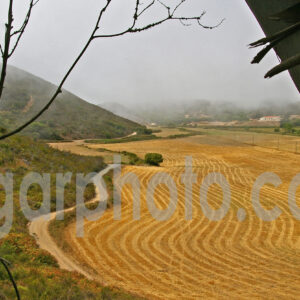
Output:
(153, 159)
(133, 138)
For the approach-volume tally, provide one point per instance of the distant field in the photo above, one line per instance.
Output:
(266, 138)
(80, 148)
(166, 131)
(200, 259)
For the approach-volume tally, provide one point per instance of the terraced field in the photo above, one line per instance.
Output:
(199, 258)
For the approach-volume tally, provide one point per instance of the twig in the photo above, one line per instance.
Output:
(5, 55)
(5, 263)
(146, 8)
(185, 24)
(166, 7)
(211, 27)
(177, 6)
(20, 32)
(7, 52)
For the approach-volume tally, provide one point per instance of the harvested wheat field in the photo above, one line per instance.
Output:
(199, 258)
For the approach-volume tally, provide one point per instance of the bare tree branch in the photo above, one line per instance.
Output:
(166, 7)
(5, 55)
(7, 52)
(146, 8)
(6, 263)
(131, 29)
(177, 6)
(210, 27)
(185, 24)
(20, 31)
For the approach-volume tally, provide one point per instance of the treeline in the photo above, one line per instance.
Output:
(289, 127)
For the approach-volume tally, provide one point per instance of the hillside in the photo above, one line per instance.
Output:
(185, 112)
(36, 271)
(122, 111)
(69, 117)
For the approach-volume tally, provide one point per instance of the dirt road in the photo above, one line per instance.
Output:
(39, 229)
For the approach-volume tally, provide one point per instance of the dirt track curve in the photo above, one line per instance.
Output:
(39, 229)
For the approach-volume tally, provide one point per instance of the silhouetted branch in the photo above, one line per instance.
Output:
(146, 8)
(177, 6)
(7, 39)
(5, 263)
(166, 7)
(185, 24)
(210, 27)
(8, 51)
(131, 29)
(20, 32)
(170, 16)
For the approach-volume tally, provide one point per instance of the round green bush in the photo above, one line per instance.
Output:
(153, 159)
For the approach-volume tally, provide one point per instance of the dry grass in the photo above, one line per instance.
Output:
(265, 139)
(76, 147)
(199, 259)
(81, 148)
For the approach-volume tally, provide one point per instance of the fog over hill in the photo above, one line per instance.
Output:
(202, 110)
(68, 117)
(123, 111)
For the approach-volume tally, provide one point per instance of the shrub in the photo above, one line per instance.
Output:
(288, 127)
(3, 130)
(144, 131)
(276, 130)
(153, 159)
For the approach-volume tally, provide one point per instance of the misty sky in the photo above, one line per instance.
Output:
(169, 63)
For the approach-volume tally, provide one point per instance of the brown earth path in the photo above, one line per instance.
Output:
(39, 229)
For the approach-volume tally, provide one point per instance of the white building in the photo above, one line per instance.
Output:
(270, 119)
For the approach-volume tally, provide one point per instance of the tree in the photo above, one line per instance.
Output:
(12, 38)
(153, 159)
(288, 127)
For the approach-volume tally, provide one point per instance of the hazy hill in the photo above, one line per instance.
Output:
(123, 111)
(69, 116)
(181, 112)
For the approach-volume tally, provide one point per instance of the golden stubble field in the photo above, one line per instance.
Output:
(199, 258)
